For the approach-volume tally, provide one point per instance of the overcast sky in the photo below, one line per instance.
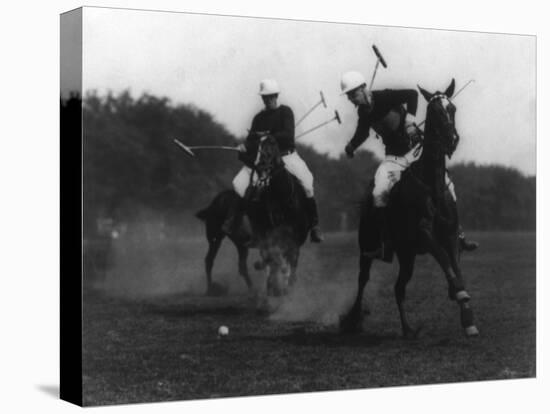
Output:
(216, 63)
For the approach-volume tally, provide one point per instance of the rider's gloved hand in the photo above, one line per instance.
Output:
(411, 129)
(349, 150)
(414, 154)
(241, 148)
(416, 136)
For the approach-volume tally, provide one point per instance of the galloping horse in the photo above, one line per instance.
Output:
(214, 216)
(423, 218)
(276, 205)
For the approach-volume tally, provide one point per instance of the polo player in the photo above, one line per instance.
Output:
(391, 114)
(278, 121)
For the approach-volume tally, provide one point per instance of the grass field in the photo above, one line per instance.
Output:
(151, 335)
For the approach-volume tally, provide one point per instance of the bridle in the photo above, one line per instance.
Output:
(445, 125)
(267, 162)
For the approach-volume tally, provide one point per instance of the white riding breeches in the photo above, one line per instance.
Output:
(389, 173)
(242, 180)
(294, 164)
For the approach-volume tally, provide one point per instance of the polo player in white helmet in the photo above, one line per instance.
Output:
(391, 114)
(278, 121)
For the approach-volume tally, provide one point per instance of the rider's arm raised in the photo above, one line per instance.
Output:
(361, 132)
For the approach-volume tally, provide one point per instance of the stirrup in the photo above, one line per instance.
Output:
(315, 235)
(465, 245)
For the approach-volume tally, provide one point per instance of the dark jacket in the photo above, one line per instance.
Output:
(280, 124)
(386, 116)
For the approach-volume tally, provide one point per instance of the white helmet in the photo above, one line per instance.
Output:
(351, 80)
(269, 87)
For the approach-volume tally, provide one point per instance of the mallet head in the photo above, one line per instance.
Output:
(379, 55)
(323, 99)
(185, 148)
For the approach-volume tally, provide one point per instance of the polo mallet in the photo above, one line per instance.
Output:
(322, 101)
(189, 149)
(464, 87)
(379, 60)
(454, 96)
(336, 118)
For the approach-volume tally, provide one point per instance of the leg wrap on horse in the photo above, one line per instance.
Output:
(462, 296)
(457, 291)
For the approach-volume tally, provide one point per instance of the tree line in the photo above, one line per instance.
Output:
(131, 164)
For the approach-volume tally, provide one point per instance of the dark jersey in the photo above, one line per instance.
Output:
(279, 122)
(386, 116)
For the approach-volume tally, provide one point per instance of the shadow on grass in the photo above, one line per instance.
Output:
(51, 390)
(181, 311)
(334, 339)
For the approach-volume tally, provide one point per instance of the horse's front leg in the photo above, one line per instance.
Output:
(243, 265)
(212, 289)
(457, 290)
(463, 299)
(406, 267)
(351, 322)
(293, 261)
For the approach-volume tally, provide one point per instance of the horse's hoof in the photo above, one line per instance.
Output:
(471, 331)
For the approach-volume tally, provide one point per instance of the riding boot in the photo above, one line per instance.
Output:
(385, 251)
(234, 216)
(315, 234)
(465, 245)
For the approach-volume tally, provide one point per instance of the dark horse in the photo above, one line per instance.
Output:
(275, 205)
(214, 216)
(423, 218)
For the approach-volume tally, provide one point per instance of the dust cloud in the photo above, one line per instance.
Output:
(146, 258)
(327, 285)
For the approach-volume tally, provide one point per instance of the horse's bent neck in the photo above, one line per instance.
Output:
(433, 161)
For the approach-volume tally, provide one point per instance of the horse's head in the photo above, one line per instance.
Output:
(440, 120)
(268, 160)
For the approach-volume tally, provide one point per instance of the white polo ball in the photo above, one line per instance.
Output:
(223, 331)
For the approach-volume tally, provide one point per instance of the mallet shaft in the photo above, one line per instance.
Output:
(307, 113)
(322, 101)
(336, 118)
(374, 73)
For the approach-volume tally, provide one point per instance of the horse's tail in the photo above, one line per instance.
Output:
(218, 207)
(203, 214)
